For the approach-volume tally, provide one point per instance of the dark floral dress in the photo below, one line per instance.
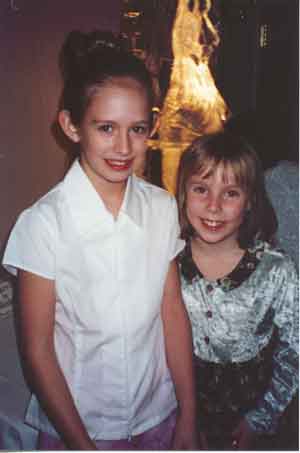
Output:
(245, 333)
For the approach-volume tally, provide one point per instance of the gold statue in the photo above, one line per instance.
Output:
(193, 105)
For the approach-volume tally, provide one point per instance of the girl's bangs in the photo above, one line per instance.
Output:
(205, 167)
(237, 168)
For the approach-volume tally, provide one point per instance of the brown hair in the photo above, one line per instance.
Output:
(88, 60)
(229, 150)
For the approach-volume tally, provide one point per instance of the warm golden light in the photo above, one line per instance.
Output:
(193, 105)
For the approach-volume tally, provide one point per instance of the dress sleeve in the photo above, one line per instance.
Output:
(31, 245)
(284, 383)
(175, 243)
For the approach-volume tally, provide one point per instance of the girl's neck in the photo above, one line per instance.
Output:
(216, 260)
(113, 200)
(112, 196)
(110, 192)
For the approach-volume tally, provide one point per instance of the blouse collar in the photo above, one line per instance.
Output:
(242, 271)
(87, 206)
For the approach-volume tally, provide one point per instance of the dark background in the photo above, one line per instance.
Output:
(258, 72)
(255, 65)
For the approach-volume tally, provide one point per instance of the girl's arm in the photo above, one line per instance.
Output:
(178, 341)
(284, 383)
(36, 315)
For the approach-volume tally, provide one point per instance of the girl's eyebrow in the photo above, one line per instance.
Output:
(195, 178)
(146, 122)
(103, 121)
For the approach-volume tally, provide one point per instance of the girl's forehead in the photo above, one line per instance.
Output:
(123, 82)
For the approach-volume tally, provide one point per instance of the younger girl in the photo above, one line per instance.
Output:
(100, 303)
(241, 294)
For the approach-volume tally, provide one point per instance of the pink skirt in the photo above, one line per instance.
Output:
(157, 438)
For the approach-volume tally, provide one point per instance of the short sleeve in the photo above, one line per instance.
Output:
(175, 243)
(31, 245)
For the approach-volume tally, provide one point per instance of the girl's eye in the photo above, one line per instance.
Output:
(232, 193)
(106, 128)
(200, 189)
(142, 130)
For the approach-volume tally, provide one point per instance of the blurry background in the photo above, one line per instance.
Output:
(255, 66)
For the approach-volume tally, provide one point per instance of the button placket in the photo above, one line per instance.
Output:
(207, 290)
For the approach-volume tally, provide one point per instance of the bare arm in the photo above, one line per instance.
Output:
(37, 311)
(178, 340)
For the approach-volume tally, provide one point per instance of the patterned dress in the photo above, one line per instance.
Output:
(245, 334)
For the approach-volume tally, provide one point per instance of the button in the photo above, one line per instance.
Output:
(209, 288)
(209, 314)
(206, 339)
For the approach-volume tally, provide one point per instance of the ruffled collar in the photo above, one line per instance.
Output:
(235, 278)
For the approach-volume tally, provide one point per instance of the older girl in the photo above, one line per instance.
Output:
(100, 303)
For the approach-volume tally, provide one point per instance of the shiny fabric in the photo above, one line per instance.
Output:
(234, 318)
(109, 278)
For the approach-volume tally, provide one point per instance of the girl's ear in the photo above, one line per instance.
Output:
(67, 126)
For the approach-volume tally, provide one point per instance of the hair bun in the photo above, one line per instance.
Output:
(80, 48)
(99, 40)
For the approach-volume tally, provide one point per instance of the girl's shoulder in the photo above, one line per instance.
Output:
(267, 251)
(276, 260)
(47, 204)
(33, 238)
(151, 189)
(42, 217)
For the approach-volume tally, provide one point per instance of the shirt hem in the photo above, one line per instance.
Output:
(13, 268)
(114, 435)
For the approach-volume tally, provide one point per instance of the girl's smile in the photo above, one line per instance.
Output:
(119, 165)
(212, 225)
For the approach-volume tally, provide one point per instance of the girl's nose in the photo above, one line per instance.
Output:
(214, 203)
(124, 144)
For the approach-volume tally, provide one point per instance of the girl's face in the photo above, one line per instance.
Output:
(215, 206)
(113, 133)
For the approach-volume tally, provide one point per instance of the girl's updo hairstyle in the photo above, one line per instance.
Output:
(231, 151)
(87, 61)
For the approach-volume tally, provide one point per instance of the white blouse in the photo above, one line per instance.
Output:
(109, 277)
